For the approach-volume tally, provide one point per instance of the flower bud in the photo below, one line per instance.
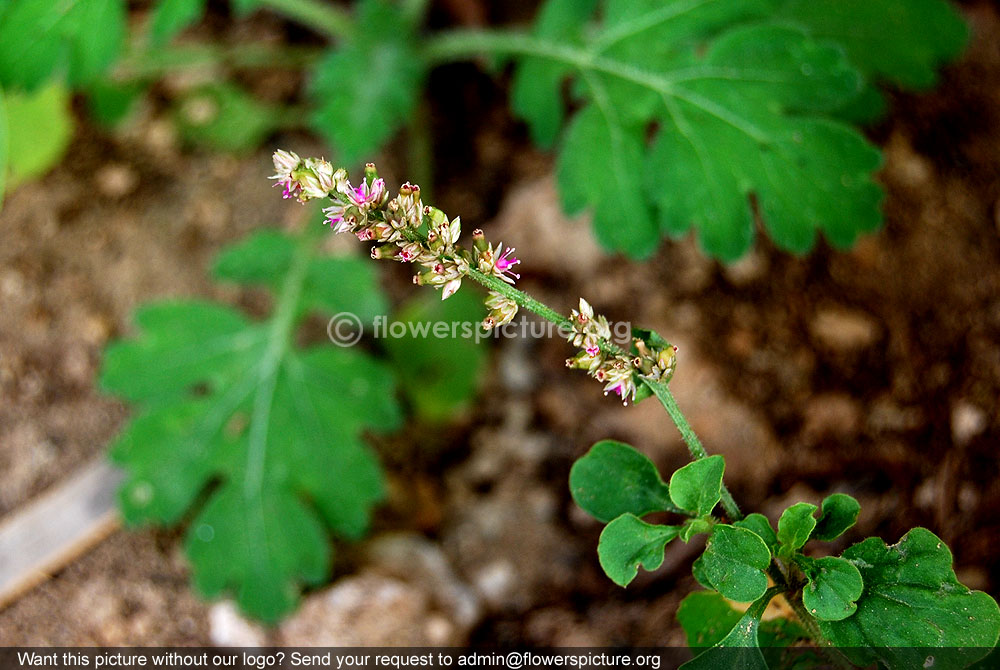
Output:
(479, 240)
(385, 251)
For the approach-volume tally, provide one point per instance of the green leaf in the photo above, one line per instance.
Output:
(441, 355)
(912, 600)
(41, 127)
(330, 285)
(795, 526)
(111, 103)
(740, 648)
(256, 440)
(833, 588)
(4, 144)
(172, 16)
(628, 542)
(707, 618)
(699, 574)
(366, 89)
(614, 479)
(734, 563)
(693, 108)
(838, 512)
(758, 524)
(536, 93)
(225, 118)
(598, 167)
(79, 38)
(694, 527)
(902, 41)
(697, 487)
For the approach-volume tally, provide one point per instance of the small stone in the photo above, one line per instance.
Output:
(747, 270)
(830, 414)
(366, 610)
(228, 628)
(495, 580)
(116, 180)
(844, 329)
(967, 421)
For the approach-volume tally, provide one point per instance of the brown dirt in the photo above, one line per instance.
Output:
(875, 372)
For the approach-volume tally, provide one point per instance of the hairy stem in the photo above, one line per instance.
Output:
(659, 389)
(666, 398)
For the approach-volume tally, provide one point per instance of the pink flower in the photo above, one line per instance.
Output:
(365, 195)
(505, 262)
(338, 219)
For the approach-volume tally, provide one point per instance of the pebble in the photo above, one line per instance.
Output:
(844, 329)
(228, 628)
(967, 421)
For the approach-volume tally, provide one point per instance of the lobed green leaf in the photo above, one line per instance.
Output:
(628, 542)
(838, 513)
(912, 601)
(614, 478)
(365, 89)
(690, 109)
(759, 525)
(256, 440)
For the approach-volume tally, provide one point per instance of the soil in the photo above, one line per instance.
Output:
(874, 371)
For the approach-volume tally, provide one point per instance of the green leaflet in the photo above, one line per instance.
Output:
(172, 16)
(78, 38)
(902, 41)
(692, 106)
(221, 399)
(838, 513)
(697, 487)
(795, 526)
(613, 479)
(628, 542)
(912, 599)
(536, 93)
(41, 127)
(367, 88)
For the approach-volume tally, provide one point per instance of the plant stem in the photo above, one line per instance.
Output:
(322, 17)
(666, 398)
(521, 298)
(659, 389)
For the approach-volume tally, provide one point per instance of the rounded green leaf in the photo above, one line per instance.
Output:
(912, 600)
(795, 526)
(614, 479)
(628, 542)
(834, 586)
(837, 513)
(734, 563)
(759, 524)
(697, 487)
